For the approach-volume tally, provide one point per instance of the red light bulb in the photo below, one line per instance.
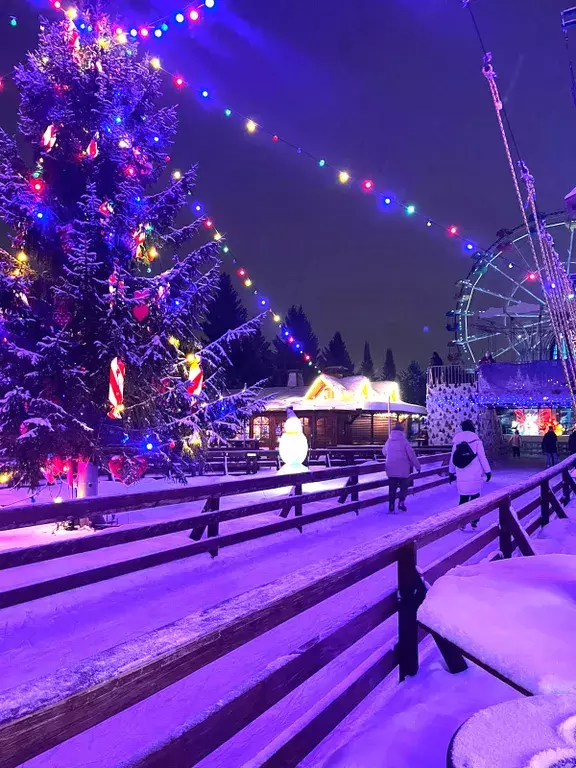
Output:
(275, 138)
(144, 32)
(194, 15)
(57, 4)
(38, 185)
(368, 185)
(291, 340)
(208, 223)
(453, 230)
(532, 276)
(307, 357)
(179, 82)
(130, 171)
(241, 272)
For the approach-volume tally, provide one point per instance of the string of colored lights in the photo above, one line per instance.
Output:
(190, 13)
(344, 177)
(248, 283)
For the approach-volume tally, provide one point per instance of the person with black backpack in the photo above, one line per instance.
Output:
(468, 464)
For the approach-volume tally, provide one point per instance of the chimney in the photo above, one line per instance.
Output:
(295, 379)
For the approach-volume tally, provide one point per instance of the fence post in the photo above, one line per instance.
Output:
(212, 505)
(411, 593)
(505, 534)
(355, 490)
(298, 504)
(545, 501)
(566, 488)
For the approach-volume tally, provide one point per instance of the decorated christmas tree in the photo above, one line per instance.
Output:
(102, 300)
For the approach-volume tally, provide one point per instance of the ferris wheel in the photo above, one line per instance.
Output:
(500, 310)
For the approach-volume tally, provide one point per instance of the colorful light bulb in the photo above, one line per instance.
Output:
(204, 94)
(194, 15)
(178, 82)
(251, 126)
(367, 185)
(343, 177)
(227, 112)
(179, 18)
(144, 32)
(322, 163)
(410, 209)
(452, 230)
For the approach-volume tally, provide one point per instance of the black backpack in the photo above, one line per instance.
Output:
(463, 455)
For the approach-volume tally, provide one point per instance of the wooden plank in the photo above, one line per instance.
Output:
(213, 727)
(460, 554)
(291, 746)
(557, 507)
(519, 534)
(39, 715)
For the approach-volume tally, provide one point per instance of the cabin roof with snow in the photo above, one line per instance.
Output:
(350, 393)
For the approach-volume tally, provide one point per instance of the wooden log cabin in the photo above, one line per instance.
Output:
(334, 411)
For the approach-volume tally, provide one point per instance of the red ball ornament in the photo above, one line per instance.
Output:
(127, 469)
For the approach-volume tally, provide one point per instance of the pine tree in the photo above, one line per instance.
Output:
(436, 360)
(287, 357)
(336, 355)
(389, 371)
(413, 384)
(367, 368)
(250, 357)
(81, 287)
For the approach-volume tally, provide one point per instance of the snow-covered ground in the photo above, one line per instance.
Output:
(41, 637)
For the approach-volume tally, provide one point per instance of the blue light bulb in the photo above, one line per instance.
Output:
(149, 446)
(133, 33)
(179, 18)
(209, 3)
(204, 94)
(227, 112)
(322, 163)
(157, 33)
(164, 27)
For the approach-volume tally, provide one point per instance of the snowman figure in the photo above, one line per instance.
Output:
(293, 445)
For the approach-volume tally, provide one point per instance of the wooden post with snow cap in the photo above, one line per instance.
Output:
(545, 501)
(411, 592)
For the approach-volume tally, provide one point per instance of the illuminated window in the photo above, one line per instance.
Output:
(261, 428)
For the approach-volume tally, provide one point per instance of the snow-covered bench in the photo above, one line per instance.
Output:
(539, 732)
(515, 618)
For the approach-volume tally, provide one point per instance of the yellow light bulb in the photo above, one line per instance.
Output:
(4, 478)
(22, 258)
(174, 341)
(343, 177)
(155, 63)
(122, 38)
(251, 126)
(277, 318)
(45, 59)
(177, 175)
(152, 253)
(72, 13)
(217, 236)
(103, 43)
(247, 282)
(57, 499)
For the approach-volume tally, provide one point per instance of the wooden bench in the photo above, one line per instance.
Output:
(470, 610)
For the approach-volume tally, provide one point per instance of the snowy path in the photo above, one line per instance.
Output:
(40, 637)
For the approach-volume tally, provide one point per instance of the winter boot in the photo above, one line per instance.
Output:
(402, 506)
(391, 506)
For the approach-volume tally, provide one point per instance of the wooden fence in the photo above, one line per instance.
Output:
(39, 715)
(204, 527)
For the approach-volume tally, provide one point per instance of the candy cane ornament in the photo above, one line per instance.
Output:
(116, 389)
(195, 377)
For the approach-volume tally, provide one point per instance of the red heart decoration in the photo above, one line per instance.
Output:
(140, 312)
(142, 295)
(127, 469)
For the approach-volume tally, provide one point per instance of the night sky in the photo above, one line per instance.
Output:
(390, 90)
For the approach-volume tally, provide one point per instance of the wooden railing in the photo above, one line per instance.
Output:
(204, 526)
(61, 705)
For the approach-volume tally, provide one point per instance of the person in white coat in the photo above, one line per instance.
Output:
(468, 464)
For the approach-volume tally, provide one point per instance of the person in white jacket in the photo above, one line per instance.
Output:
(468, 464)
